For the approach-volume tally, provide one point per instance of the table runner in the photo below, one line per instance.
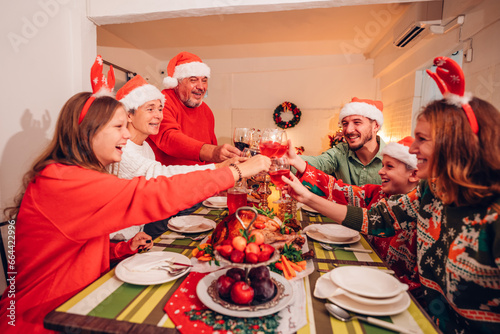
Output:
(110, 303)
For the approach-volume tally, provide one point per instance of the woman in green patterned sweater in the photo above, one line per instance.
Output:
(455, 211)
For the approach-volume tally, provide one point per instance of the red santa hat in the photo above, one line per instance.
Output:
(364, 107)
(401, 151)
(138, 91)
(182, 66)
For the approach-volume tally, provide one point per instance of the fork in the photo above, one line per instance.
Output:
(181, 236)
(173, 271)
(349, 249)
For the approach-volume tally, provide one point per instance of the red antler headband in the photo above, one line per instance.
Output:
(101, 86)
(450, 80)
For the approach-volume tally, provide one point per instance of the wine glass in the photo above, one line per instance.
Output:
(284, 145)
(279, 167)
(242, 138)
(270, 142)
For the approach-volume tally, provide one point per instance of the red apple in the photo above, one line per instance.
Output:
(237, 256)
(239, 243)
(224, 284)
(252, 247)
(224, 250)
(241, 293)
(251, 258)
(259, 237)
(266, 251)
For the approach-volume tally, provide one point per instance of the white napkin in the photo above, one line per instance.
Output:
(190, 223)
(146, 261)
(333, 232)
(325, 288)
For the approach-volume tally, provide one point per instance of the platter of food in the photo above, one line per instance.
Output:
(226, 292)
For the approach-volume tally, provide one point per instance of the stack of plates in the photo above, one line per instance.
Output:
(364, 290)
(332, 233)
(216, 202)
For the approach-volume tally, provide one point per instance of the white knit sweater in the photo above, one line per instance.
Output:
(139, 160)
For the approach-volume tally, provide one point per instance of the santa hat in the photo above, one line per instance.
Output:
(138, 91)
(182, 66)
(401, 151)
(367, 108)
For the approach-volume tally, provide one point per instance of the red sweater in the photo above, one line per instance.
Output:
(62, 231)
(183, 131)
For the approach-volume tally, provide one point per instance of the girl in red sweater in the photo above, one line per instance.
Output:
(70, 205)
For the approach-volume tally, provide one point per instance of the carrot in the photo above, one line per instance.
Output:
(295, 266)
(302, 264)
(279, 265)
(195, 252)
(287, 267)
(205, 258)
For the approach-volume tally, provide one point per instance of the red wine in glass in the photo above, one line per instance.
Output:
(269, 148)
(276, 177)
(241, 145)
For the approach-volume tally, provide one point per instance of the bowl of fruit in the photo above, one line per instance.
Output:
(234, 292)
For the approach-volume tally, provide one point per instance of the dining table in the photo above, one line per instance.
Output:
(109, 305)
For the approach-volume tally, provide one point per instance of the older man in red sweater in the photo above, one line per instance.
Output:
(186, 135)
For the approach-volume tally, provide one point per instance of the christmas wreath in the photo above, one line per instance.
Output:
(286, 107)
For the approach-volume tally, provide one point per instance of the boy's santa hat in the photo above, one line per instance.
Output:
(401, 151)
(138, 91)
(363, 107)
(182, 66)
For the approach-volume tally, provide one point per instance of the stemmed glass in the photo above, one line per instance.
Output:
(279, 167)
(242, 138)
(273, 143)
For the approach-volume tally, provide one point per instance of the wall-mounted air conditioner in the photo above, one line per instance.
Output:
(415, 21)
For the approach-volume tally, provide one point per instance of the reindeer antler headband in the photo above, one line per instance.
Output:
(101, 86)
(450, 80)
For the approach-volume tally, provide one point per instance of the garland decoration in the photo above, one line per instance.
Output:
(286, 107)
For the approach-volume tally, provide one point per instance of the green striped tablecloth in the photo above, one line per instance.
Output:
(111, 306)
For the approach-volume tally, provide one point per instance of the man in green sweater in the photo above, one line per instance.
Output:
(357, 160)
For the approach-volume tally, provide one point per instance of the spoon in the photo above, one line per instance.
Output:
(342, 315)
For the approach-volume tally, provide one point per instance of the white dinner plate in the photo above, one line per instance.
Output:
(375, 310)
(191, 224)
(216, 202)
(347, 235)
(125, 273)
(319, 237)
(308, 209)
(202, 292)
(367, 282)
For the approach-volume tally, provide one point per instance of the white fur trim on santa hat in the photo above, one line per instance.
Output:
(362, 109)
(192, 69)
(401, 153)
(141, 95)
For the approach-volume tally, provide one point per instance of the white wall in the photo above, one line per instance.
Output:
(399, 73)
(245, 92)
(47, 51)
(129, 57)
